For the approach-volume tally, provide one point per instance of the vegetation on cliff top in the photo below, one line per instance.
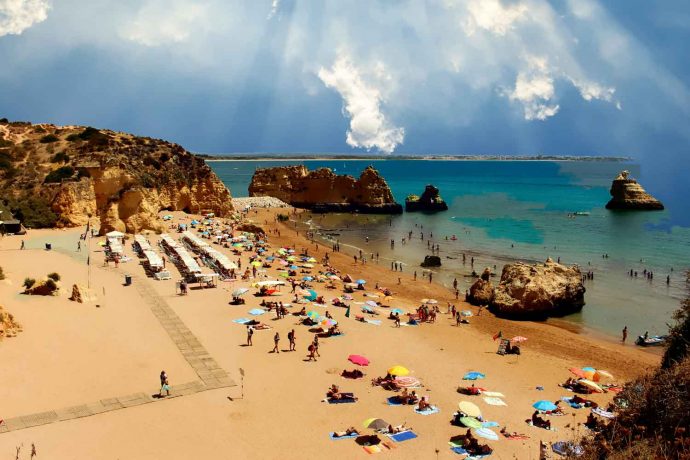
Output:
(36, 159)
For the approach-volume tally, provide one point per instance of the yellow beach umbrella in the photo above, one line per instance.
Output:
(311, 260)
(591, 385)
(256, 263)
(398, 370)
(469, 408)
(605, 374)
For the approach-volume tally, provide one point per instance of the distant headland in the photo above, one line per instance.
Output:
(338, 156)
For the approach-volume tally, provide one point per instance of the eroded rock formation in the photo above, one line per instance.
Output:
(322, 190)
(482, 291)
(430, 201)
(123, 180)
(626, 193)
(540, 290)
(431, 261)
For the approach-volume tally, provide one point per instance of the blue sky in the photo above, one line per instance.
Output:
(435, 76)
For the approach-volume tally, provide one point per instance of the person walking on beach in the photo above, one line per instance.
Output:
(165, 386)
(397, 320)
(291, 339)
(276, 341)
(311, 349)
(316, 346)
(79, 246)
(250, 333)
(414, 277)
(22, 246)
(625, 334)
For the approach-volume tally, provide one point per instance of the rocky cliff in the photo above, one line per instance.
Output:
(322, 190)
(626, 193)
(62, 176)
(430, 201)
(482, 291)
(539, 290)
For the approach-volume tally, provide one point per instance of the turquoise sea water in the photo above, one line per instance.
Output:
(518, 210)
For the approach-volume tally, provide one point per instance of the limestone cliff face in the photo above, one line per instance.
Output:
(626, 193)
(323, 191)
(429, 201)
(121, 179)
(548, 289)
(482, 291)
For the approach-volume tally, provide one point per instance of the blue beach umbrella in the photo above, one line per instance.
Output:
(307, 278)
(367, 309)
(544, 405)
(270, 258)
(361, 281)
(474, 376)
(312, 295)
(293, 267)
(397, 310)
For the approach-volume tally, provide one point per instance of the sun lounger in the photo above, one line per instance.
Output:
(431, 410)
(349, 436)
(402, 436)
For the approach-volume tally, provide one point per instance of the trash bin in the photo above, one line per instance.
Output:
(49, 246)
(128, 280)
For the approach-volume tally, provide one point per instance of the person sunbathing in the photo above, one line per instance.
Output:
(540, 422)
(471, 390)
(424, 405)
(349, 432)
(335, 393)
(397, 429)
(558, 410)
(353, 374)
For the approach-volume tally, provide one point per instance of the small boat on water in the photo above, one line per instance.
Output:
(581, 213)
(654, 341)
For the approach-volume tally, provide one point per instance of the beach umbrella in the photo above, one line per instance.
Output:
(577, 372)
(375, 423)
(240, 292)
(313, 315)
(471, 422)
(371, 303)
(237, 245)
(431, 302)
(256, 263)
(308, 265)
(408, 382)
(333, 277)
(293, 267)
(518, 339)
(195, 222)
(367, 309)
(358, 359)
(328, 322)
(591, 385)
(466, 313)
(291, 258)
(311, 260)
(283, 262)
(283, 274)
(397, 310)
(486, 433)
(256, 311)
(602, 373)
(474, 376)
(469, 409)
(307, 278)
(544, 405)
(347, 297)
(360, 281)
(311, 295)
(398, 370)
(270, 258)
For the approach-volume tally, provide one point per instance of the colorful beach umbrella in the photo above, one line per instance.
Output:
(486, 433)
(544, 405)
(358, 359)
(602, 373)
(408, 382)
(256, 263)
(313, 314)
(371, 303)
(591, 385)
(474, 376)
(469, 409)
(375, 424)
(308, 265)
(577, 372)
(471, 422)
(240, 292)
(328, 322)
(398, 370)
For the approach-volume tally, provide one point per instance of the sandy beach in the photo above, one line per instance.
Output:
(72, 355)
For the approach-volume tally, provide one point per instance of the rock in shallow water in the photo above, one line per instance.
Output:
(628, 194)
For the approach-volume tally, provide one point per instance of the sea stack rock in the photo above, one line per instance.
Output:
(431, 261)
(482, 292)
(430, 201)
(628, 194)
(540, 290)
(322, 190)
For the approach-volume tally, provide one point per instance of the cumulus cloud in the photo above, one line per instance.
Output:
(534, 89)
(160, 22)
(362, 100)
(18, 15)
(492, 15)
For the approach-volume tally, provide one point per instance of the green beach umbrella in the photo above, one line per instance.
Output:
(470, 422)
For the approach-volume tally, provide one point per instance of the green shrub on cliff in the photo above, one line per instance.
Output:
(49, 138)
(60, 157)
(33, 211)
(58, 175)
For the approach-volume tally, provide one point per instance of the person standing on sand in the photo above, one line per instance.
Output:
(430, 277)
(414, 277)
(625, 334)
(291, 339)
(22, 246)
(397, 320)
(316, 345)
(276, 341)
(311, 349)
(79, 246)
(250, 333)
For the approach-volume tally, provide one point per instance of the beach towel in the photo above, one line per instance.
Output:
(241, 320)
(257, 312)
(372, 449)
(493, 394)
(494, 401)
(403, 436)
(341, 401)
(603, 413)
(432, 410)
(375, 322)
(349, 436)
(571, 403)
(489, 424)
(393, 401)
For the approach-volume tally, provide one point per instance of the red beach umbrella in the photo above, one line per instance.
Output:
(358, 359)
(578, 372)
